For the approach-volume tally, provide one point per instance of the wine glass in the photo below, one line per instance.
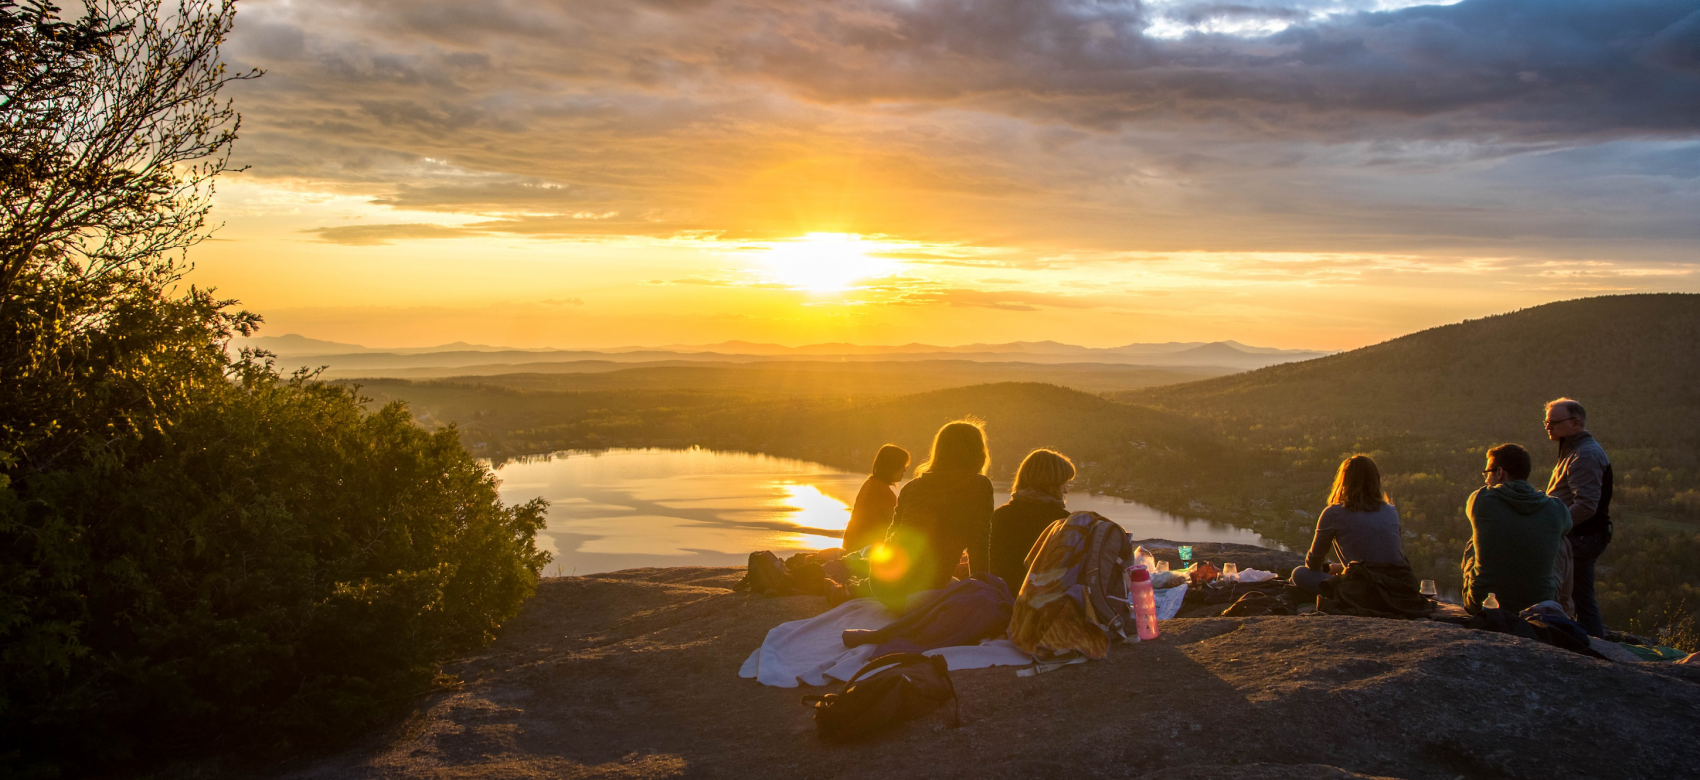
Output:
(1428, 588)
(1185, 553)
(1230, 572)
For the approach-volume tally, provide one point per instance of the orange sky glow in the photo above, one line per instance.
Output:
(602, 174)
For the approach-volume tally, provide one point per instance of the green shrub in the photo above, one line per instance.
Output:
(196, 551)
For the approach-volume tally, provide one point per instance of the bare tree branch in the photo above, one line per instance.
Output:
(114, 134)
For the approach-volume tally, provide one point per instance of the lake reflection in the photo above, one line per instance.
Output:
(621, 509)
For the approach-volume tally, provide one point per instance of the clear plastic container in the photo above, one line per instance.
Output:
(1143, 557)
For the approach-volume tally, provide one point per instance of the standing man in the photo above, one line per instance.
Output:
(1582, 480)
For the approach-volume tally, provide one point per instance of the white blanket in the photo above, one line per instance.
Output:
(812, 651)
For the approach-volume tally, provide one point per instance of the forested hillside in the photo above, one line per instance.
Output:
(1118, 445)
(1428, 405)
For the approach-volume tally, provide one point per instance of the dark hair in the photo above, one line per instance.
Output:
(1513, 458)
(890, 463)
(958, 447)
(1357, 485)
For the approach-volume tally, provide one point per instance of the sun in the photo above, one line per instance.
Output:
(826, 262)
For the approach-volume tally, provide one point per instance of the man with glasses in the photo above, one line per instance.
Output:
(1516, 532)
(1582, 480)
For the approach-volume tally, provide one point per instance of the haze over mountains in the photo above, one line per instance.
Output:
(348, 360)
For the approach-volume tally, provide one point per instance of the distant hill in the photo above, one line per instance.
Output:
(296, 344)
(1011, 348)
(450, 359)
(800, 377)
(1632, 360)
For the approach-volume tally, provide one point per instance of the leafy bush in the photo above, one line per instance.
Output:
(195, 549)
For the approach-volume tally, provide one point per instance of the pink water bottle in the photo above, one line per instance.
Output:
(1144, 601)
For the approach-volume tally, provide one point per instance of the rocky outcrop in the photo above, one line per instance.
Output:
(634, 675)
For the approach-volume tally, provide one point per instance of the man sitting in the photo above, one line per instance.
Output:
(1515, 533)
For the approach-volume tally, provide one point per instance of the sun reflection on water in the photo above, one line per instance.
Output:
(808, 507)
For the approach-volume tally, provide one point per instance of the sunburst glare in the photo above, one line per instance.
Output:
(826, 262)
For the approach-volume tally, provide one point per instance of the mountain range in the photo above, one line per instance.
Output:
(347, 360)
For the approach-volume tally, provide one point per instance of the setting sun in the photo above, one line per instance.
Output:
(826, 262)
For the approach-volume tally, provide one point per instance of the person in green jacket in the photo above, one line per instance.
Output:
(1515, 533)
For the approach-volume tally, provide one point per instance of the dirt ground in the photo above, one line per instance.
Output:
(635, 675)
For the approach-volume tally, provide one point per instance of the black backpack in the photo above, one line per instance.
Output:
(767, 576)
(891, 689)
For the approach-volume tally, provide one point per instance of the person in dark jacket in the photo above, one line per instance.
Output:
(1582, 480)
(1515, 535)
(944, 510)
(1035, 502)
(876, 502)
(1359, 524)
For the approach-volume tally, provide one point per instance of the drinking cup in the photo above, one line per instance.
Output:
(1428, 588)
(1230, 572)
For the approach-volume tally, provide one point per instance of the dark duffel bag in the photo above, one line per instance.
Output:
(889, 690)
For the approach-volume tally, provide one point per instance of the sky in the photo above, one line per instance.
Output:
(1293, 173)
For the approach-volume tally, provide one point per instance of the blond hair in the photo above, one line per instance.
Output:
(1044, 471)
(958, 447)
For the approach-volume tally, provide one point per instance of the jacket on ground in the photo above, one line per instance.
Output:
(1385, 590)
(963, 614)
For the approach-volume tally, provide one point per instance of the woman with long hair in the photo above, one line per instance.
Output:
(1035, 501)
(876, 502)
(1359, 524)
(944, 510)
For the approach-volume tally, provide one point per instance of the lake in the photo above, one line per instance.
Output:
(621, 509)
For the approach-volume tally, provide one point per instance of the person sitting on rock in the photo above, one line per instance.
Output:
(1359, 524)
(944, 510)
(1515, 534)
(876, 502)
(1035, 502)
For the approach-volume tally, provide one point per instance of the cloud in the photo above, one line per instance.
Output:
(1299, 125)
(1507, 68)
(372, 235)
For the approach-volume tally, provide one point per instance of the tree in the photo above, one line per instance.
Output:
(195, 552)
(114, 133)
